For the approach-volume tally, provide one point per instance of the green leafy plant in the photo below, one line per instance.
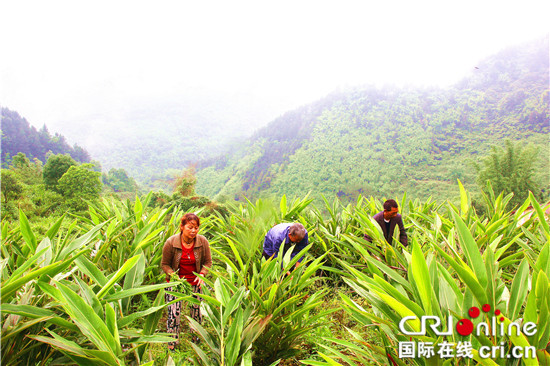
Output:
(431, 287)
(235, 326)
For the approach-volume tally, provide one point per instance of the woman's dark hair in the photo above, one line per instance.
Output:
(189, 217)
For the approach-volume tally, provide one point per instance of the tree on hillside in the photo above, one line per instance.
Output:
(80, 154)
(11, 186)
(184, 184)
(80, 183)
(120, 181)
(29, 172)
(510, 169)
(55, 167)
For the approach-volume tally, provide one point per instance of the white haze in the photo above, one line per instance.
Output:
(76, 66)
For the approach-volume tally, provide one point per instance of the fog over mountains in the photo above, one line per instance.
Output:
(388, 141)
(150, 88)
(153, 137)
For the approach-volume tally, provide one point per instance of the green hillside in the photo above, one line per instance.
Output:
(18, 136)
(386, 141)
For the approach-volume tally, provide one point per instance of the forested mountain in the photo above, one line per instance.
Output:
(386, 141)
(19, 136)
(149, 137)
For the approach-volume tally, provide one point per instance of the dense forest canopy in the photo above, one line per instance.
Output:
(385, 141)
(19, 136)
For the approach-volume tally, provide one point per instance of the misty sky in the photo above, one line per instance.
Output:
(68, 61)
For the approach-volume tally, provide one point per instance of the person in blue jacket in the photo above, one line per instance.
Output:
(291, 234)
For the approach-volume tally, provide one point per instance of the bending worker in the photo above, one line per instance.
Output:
(388, 219)
(291, 234)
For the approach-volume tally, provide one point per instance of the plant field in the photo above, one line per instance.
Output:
(90, 291)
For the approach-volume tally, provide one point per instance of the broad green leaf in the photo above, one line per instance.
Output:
(64, 346)
(203, 334)
(93, 215)
(330, 361)
(45, 259)
(202, 356)
(520, 341)
(24, 266)
(133, 278)
(140, 236)
(543, 356)
(491, 267)
(138, 209)
(234, 338)
(247, 359)
(483, 361)
(110, 321)
(221, 293)
(53, 230)
(519, 289)
(91, 325)
(21, 326)
(140, 314)
(540, 214)
(143, 244)
(543, 260)
(121, 272)
(118, 295)
(283, 206)
(464, 199)
(151, 320)
(80, 242)
(4, 229)
(91, 270)
(467, 276)
(421, 275)
(87, 293)
(92, 356)
(26, 231)
(233, 304)
(401, 309)
(384, 268)
(471, 250)
(9, 289)
(450, 281)
(34, 312)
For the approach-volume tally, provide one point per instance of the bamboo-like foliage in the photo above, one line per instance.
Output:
(285, 300)
(454, 264)
(77, 294)
(279, 309)
(235, 325)
(53, 292)
(131, 228)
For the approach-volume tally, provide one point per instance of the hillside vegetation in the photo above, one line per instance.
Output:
(18, 136)
(385, 141)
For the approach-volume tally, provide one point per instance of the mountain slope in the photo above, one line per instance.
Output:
(19, 136)
(387, 141)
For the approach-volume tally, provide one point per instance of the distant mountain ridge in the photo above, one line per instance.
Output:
(19, 136)
(387, 141)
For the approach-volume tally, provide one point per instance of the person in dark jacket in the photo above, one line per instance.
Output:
(388, 220)
(291, 234)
